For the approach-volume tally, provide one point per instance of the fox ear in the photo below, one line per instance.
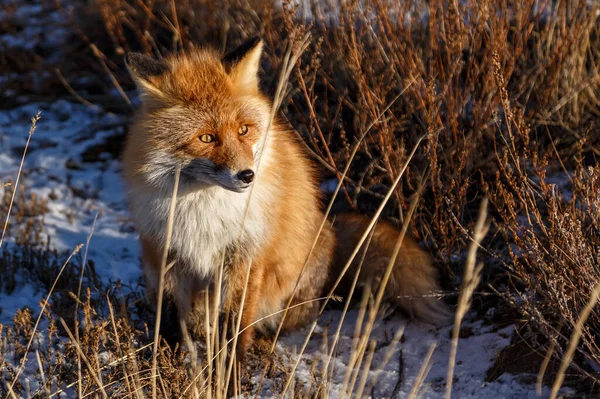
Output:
(145, 70)
(243, 63)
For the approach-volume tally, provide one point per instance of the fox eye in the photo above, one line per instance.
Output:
(207, 138)
(243, 130)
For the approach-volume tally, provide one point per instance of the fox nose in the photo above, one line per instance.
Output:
(247, 176)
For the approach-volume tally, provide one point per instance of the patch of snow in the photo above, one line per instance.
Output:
(36, 27)
(22, 297)
(329, 186)
(75, 190)
(474, 357)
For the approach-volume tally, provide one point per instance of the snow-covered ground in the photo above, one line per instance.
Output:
(76, 190)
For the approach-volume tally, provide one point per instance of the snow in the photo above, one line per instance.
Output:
(329, 186)
(475, 356)
(78, 194)
(36, 26)
(23, 296)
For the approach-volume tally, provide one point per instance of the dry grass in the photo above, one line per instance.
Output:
(505, 94)
(470, 282)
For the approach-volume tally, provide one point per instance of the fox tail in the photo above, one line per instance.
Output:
(413, 284)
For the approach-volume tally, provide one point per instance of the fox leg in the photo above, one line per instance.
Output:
(176, 306)
(250, 295)
(304, 306)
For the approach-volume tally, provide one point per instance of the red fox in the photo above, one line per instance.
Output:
(205, 115)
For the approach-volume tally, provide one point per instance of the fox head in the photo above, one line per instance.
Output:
(201, 112)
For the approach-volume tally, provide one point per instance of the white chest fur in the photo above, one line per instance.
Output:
(206, 223)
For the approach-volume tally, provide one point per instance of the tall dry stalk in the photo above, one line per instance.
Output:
(423, 371)
(161, 279)
(574, 340)
(359, 349)
(34, 121)
(76, 313)
(471, 278)
(95, 375)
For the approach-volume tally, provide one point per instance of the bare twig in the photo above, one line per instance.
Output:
(74, 93)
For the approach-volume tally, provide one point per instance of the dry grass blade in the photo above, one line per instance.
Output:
(388, 356)
(543, 367)
(124, 366)
(471, 278)
(161, 280)
(374, 219)
(11, 393)
(224, 346)
(93, 372)
(42, 374)
(366, 369)
(574, 341)
(76, 315)
(131, 356)
(331, 203)
(34, 121)
(345, 310)
(358, 350)
(290, 59)
(423, 371)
